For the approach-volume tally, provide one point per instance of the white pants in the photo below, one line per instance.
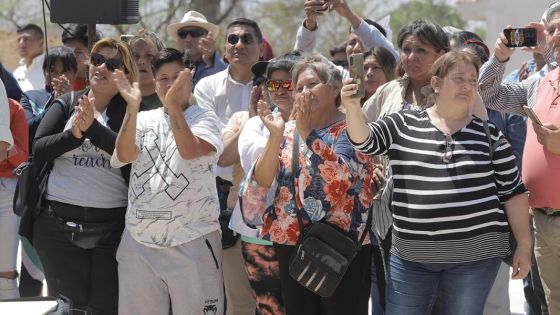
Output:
(9, 238)
(187, 278)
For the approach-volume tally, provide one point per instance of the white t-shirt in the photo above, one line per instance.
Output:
(225, 96)
(32, 77)
(172, 201)
(84, 176)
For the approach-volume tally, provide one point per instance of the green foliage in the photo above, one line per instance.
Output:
(432, 10)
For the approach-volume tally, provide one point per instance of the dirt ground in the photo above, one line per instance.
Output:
(8, 48)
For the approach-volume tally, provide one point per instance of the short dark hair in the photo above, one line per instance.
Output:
(427, 32)
(285, 62)
(462, 36)
(78, 32)
(249, 23)
(338, 49)
(164, 56)
(31, 28)
(65, 55)
(472, 42)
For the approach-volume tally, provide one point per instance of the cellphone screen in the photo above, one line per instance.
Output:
(521, 37)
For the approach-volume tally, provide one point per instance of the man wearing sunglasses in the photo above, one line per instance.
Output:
(226, 93)
(197, 37)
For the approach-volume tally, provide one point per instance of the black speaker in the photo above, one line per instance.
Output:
(95, 11)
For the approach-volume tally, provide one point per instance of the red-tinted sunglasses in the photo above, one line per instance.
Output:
(274, 85)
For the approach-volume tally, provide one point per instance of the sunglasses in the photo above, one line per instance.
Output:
(111, 63)
(274, 85)
(246, 39)
(194, 32)
(448, 150)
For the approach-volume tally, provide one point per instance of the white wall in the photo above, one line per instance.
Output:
(497, 14)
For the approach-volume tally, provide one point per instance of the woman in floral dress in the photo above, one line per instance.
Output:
(332, 183)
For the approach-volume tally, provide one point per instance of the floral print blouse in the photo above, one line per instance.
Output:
(333, 185)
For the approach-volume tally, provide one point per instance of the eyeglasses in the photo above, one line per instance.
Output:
(448, 151)
(194, 32)
(112, 64)
(274, 85)
(246, 39)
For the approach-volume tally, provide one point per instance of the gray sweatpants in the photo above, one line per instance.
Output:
(187, 277)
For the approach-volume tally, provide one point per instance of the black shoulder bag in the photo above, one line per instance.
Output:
(31, 187)
(323, 252)
(508, 259)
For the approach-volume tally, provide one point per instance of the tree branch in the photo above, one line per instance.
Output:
(226, 13)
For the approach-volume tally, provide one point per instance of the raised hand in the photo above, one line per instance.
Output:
(131, 93)
(542, 43)
(349, 95)
(304, 113)
(501, 51)
(178, 95)
(313, 9)
(256, 95)
(61, 85)
(84, 113)
(273, 122)
(207, 45)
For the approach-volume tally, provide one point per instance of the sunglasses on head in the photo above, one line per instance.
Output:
(194, 32)
(274, 85)
(246, 39)
(111, 63)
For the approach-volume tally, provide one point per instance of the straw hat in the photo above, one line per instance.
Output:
(195, 19)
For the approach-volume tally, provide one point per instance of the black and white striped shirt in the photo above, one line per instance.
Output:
(445, 211)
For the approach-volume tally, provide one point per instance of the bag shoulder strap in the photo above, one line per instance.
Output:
(492, 145)
(295, 167)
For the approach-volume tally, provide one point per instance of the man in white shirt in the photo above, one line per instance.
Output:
(29, 74)
(6, 139)
(226, 93)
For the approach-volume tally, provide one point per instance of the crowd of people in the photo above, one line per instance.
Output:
(186, 180)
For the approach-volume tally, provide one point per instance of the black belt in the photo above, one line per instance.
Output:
(549, 212)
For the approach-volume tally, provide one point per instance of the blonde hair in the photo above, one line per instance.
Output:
(130, 67)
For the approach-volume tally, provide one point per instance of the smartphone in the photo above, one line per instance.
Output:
(521, 37)
(356, 68)
(531, 114)
(327, 8)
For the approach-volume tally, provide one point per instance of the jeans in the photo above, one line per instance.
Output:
(377, 282)
(412, 287)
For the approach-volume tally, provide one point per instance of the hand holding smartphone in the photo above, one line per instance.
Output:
(531, 114)
(521, 37)
(356, 68)
(327, 6)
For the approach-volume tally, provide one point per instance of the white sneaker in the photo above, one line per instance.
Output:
(8, 289)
